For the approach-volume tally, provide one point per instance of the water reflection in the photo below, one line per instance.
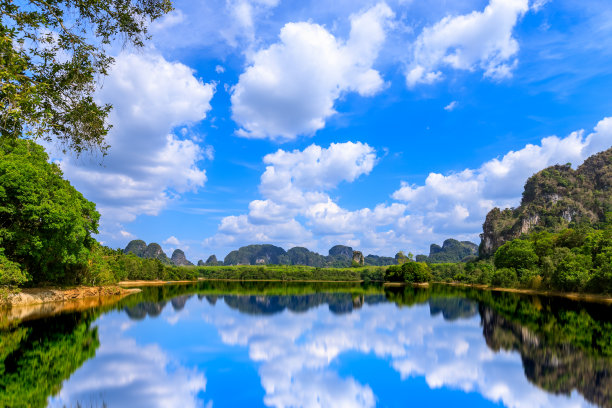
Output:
(314, 346)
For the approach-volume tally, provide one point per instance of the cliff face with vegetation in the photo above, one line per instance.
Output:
(450, 251)
(154, 251)
(554, 198)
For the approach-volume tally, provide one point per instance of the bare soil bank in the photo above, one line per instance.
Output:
(33, 296)
(41, 302)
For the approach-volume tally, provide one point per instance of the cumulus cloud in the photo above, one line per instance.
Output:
(457, 203)
(296, 185)
(147, 163)
(172, 240)
(290, 87)
(481, 39)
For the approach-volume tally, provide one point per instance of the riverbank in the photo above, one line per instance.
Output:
(585, 297)
(35, 296)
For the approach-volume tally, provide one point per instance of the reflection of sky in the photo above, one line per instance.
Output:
(378, 355)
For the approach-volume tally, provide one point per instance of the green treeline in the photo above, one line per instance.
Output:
(573, 260)
(291, 273)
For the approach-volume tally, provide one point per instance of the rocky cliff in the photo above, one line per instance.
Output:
(154, 251)
(450, 251)
(554, 198)
(179, 259)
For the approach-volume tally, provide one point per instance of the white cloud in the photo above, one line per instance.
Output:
(290, 88)
(219, 69)
(451, 106)
(172, 240)
(295, 185)
(147, 164)
(477, 40)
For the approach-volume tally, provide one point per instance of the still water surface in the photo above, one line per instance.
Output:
(258, 344)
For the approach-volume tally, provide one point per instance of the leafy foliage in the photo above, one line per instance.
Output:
(51, 53)
(45, 224)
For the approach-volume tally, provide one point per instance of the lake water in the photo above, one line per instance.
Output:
(257, 344)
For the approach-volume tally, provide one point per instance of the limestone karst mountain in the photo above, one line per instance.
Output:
(554, 198)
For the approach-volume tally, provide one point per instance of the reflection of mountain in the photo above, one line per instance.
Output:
(37, 356)
(453, 308)
(339, 303)
(558, 368)
(178, 303)
(141, 310)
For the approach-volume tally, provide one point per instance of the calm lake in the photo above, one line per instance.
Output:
(329, 345)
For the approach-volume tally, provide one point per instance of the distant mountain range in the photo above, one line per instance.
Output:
(339, 256)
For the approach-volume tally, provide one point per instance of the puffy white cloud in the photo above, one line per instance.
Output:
(477, 40)
(457, 203)
(290, 87)
(172, 240)
(295, 186)
(300, 177)
(147, 164)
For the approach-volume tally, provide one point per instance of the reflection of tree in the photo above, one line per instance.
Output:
(554, 367)
(36, 357)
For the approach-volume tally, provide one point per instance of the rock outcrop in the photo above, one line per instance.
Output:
(554, 198)
(358, 258)
(142, 250)
(179, 259)
(137, 247)
(450, 251)
(212, 261)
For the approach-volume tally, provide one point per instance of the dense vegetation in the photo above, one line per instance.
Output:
(45, 223)
(291, 273)
(51, 55)
(573, 260)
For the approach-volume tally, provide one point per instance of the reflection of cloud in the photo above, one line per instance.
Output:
(127, 374)
(296, 351)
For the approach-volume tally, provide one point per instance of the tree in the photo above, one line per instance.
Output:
(416, 272)
(45, 223)
(517, 254)
(51, 54)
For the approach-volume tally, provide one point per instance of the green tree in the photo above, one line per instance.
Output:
(51, 54)
(518, 254)
(45, 223)
(416, 272)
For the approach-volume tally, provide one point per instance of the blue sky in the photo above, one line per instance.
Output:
(382, 125)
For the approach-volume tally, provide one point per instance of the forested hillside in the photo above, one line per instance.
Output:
(555, 198)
